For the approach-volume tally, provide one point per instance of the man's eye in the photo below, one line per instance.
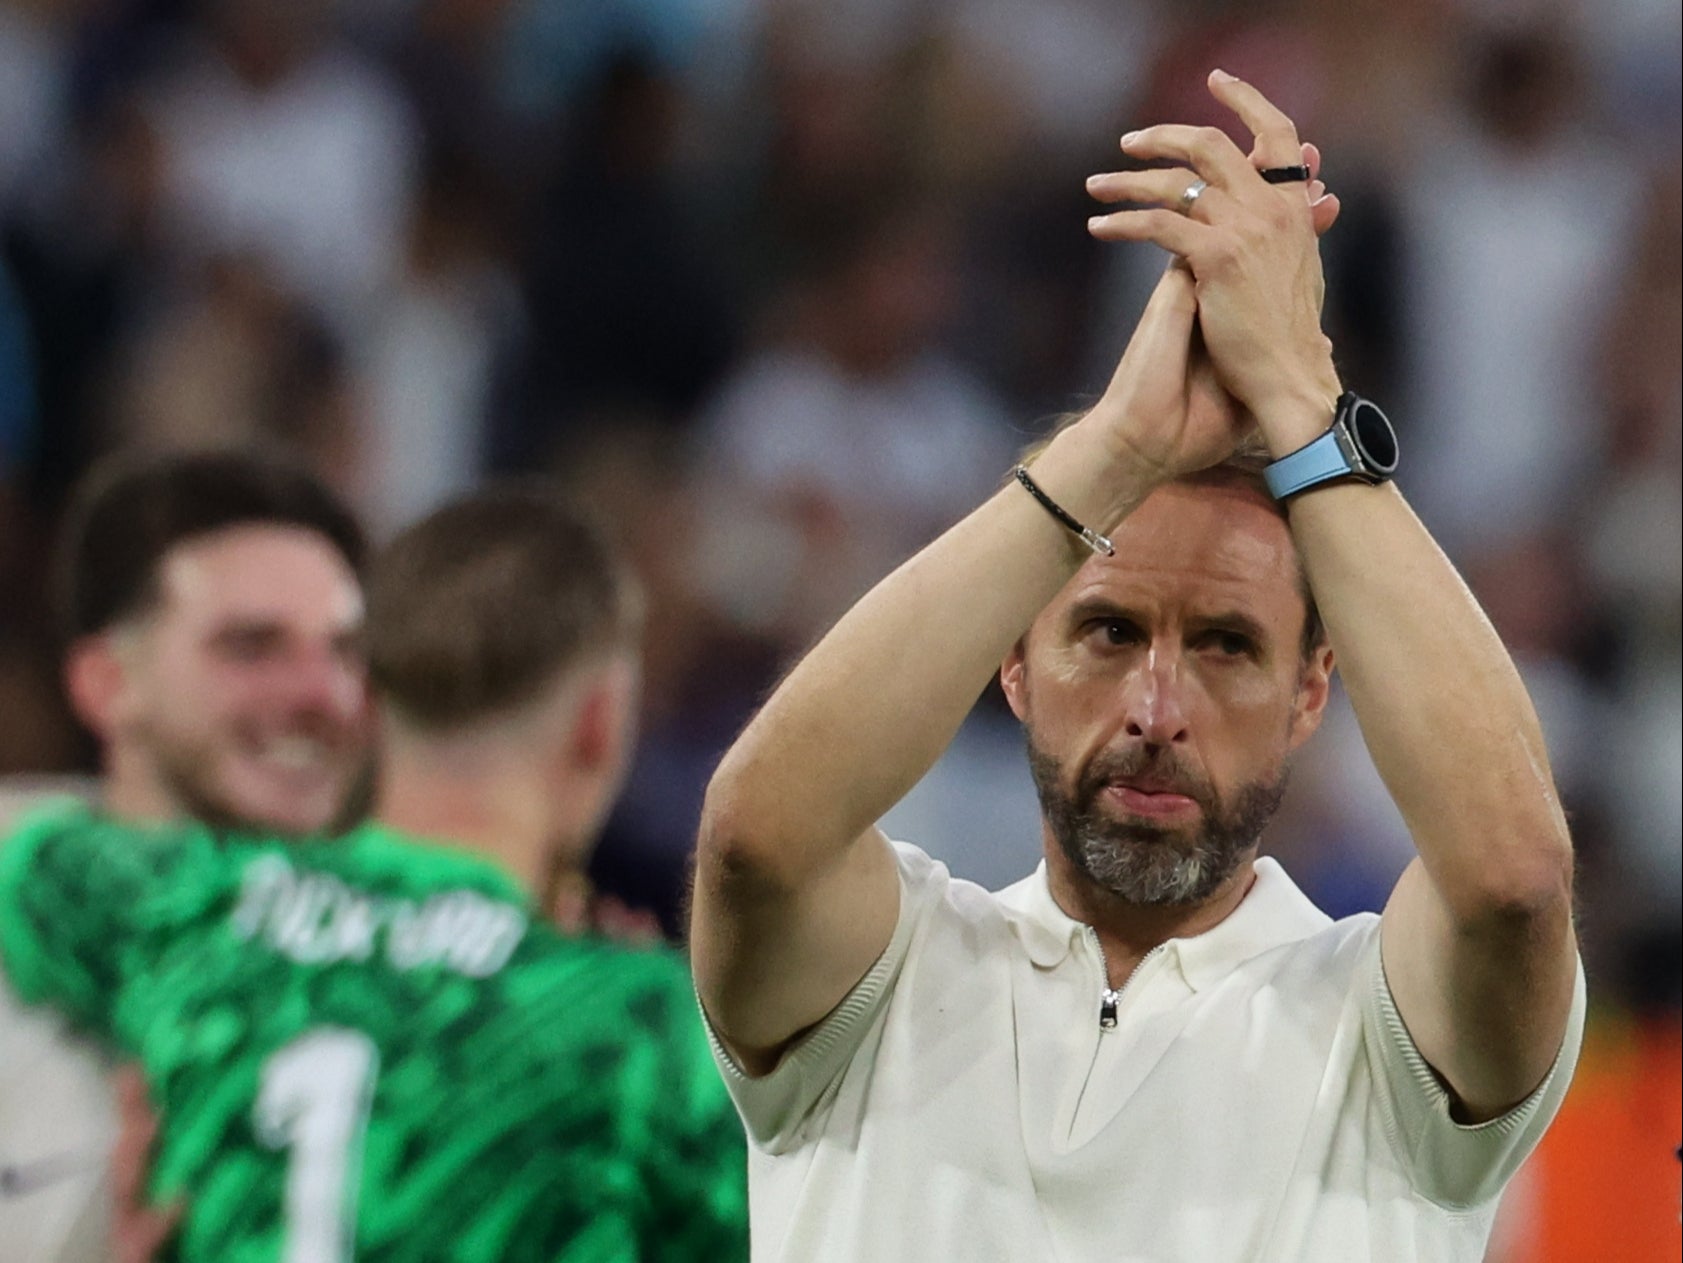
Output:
(1231, 644)
(1118, 631)
(247, 646)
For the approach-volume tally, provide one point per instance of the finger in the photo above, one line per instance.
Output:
(1162, 186)
(1276, 135)
(1163, 336)
(609, 915)
(569, 912)
(1315, 189)
(141, 1236)
(640, 927)
(1323, 212)
(138, 1230)
(1176, 291)
(569, 901)
(1312, 160)
(1170, 313)
(137, 1127)
(1207, 150)
(130, 1083)
(1169, 229)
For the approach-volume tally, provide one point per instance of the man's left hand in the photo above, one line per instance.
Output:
(1252, 248)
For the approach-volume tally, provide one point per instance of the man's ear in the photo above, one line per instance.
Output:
(96, 682)
(1314, 687)
(606, 724)
(1011, 678)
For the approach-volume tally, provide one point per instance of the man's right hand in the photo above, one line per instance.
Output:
(1164, 411)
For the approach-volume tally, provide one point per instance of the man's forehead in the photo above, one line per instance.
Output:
(1226, 539)
(261, 572)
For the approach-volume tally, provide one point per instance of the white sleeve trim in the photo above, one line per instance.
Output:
(1460, 1165)
(778, 1108)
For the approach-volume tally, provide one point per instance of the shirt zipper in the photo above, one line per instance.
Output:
(1110, 997)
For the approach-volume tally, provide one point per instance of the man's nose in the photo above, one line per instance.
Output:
(1155, 712)
(323, 681)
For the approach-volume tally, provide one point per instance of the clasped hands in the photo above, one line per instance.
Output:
(1231, 340)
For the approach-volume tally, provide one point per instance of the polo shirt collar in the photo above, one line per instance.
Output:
(1047, 933)
(1272, 913)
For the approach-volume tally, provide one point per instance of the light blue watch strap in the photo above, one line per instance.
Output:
(1315, 462)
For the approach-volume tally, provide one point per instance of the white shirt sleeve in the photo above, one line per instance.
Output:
(779, 1110)
(57, 1124)
(1456, 1165)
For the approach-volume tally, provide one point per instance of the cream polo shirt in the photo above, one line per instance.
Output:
(58, 1110)
(58, 1121)
(1258, 1098)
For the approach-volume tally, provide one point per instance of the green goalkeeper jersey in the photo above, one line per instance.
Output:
(367, 1048)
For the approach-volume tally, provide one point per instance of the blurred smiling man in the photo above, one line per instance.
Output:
(372, 1045)
(214, 613)
(212, 609)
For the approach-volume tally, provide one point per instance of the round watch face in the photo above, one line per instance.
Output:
(1374, 438)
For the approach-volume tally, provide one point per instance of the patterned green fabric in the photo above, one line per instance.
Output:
(364, 1048)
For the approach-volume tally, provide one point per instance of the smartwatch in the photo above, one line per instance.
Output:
(1359, 444)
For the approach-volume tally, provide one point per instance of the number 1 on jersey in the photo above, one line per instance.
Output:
(313, 1099)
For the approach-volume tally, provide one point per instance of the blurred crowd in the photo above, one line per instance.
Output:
(781, 286)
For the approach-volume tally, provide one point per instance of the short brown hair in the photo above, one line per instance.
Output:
(484, 602)
(133, 508)
(1243, 467)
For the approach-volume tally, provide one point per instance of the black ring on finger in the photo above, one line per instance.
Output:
(1285, 175)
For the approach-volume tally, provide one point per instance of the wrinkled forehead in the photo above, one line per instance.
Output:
(259, 574)
(1196, 548)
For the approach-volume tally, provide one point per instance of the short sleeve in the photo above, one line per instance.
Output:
(1457, 1165)
(776, 1108)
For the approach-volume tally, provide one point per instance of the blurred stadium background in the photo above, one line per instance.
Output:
(781, 284)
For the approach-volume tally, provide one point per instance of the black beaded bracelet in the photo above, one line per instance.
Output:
(1098, 543)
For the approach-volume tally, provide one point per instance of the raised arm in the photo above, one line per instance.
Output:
(1477, 938)
(796, 892)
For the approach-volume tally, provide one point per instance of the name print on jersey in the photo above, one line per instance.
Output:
(314, 918)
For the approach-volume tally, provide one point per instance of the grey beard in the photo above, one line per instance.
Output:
(1144, 864)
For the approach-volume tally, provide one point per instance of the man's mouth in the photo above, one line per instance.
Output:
(295, 755)
(1146, 798)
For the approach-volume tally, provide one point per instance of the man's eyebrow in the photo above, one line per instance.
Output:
(1234, 621)
(247, 625)
(1090, 608)
(264, 626)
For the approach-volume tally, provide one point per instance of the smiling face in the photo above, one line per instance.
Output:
(1163, 691)
(239, 696)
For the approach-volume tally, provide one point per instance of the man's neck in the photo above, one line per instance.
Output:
(516, 826)
(1128, 931)
(128, 791)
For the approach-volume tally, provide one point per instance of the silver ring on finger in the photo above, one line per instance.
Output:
(1191, 194)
